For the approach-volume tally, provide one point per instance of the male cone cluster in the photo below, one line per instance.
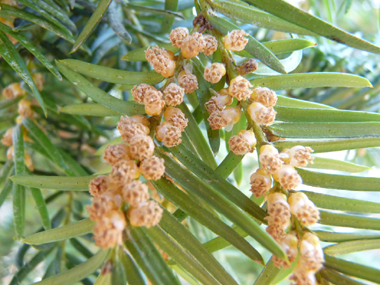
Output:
(276, 179)
(24, 109)
(121, 191)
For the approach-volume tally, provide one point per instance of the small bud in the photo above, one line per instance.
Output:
(288, 177)
(231, 115)
(214, 73)
(117, 219)
(277, 205)
(138, 92)
(188, 81)
(169, 135)
(289, 244)
(311, 253)
(177, 36)
(221, 98)
(155, 109)
(216, 120)
(269, 159)
(141, 119)
(25, 108)
(298, 156)
(28, 161)
(275, 231)
(99, 185)
(152, 96)
(170, 55)
(164, 66)
(151, 54)
(135, 192)
(141, 147)
(243, 143)
(6, 21)
(161, 60)
(261, 182)
(114, 153)
(7, 138)
(148, 214)
(176, 117)
(261, 115)
(192, 45)
(102, 204)
(249, 136)
(278, 210)
(240, 88)
(250, 65)
(130, 128)
(152, 168)
(174, 94)
(124, 171)
(235, 40)
(264, 96)
(109, 231)
(302, 277)
(13, 90)
(39, 80)
(211, 107)
(210, 45)
(10, 152)
(218, 101)
(303, 209)
(223, 92)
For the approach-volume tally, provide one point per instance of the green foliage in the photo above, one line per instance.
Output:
(92, 53)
